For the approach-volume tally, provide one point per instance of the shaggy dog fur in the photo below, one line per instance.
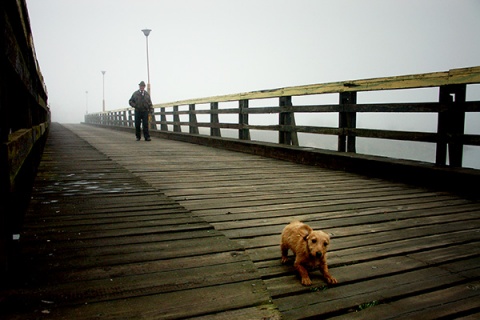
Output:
(310, 249)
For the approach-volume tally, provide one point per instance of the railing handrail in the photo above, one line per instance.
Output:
(425, 80)
(469, 75)
(451, 109)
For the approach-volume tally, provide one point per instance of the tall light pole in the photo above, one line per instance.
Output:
(146, 32)
(103, 72)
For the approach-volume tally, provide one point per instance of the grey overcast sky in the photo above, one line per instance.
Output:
(201, 48)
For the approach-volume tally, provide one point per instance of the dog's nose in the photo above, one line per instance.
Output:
(319, 254)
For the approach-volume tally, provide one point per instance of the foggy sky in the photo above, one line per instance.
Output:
(201, 48)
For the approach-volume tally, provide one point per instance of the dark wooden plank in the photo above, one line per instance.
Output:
(316, 206)
(343, 299)
(381, 229)
(281, 279)
(367, 235)
(136, 285)
(371, 219)
(381, 250)
(96, 236)
(126, 254)
(447, 303)
(145, 267)
(390, 241)
(173, 305)
(263, 312)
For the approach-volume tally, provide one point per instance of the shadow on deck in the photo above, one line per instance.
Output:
(168, 230)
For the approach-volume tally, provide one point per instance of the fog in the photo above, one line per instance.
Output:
(215, 47)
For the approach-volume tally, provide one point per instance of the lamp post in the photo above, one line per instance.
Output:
(146, 32)
(151, 117)
(103, 72)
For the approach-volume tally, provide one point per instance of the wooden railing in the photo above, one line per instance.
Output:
(24, 124)
(451, 109)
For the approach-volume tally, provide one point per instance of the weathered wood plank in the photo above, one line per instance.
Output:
(281, 280)
(170, 305)
(382, 232)
(447, 303)
(357, 294)
(137, 285)
(391, 242)
(173, 305)
(357, 234)
(382, 249)
(121, 241)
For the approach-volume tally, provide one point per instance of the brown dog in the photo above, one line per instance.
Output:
(310, 249)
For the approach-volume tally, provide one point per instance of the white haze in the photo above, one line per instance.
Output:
(201, 48)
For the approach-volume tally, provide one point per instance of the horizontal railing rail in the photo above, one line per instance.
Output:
(451, 110)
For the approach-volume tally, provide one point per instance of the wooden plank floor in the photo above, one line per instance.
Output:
(101, 243)
(399, 252)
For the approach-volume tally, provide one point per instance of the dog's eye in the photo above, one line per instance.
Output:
(325, 244)
(314, 240)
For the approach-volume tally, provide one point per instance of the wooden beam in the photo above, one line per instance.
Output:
(18, 148)
(425, 80)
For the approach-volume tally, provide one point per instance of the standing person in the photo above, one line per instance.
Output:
(142, 103)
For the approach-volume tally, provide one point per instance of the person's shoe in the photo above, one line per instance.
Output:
(148, 139)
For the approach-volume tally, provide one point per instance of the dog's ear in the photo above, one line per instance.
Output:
(305, 231)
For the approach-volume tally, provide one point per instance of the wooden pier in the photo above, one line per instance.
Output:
(119, 229)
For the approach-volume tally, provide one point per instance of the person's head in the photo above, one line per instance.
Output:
(142, 85)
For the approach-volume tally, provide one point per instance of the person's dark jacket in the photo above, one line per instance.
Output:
(141, 101)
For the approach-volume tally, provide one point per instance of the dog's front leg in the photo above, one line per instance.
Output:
(326, 274)
(303, 274)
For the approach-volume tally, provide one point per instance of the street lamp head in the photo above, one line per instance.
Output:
(103, 72)
(146, 32)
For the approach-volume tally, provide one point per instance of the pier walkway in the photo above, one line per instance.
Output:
(119, 229)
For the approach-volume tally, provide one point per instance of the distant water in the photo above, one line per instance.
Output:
(413, 122)
(418, 151)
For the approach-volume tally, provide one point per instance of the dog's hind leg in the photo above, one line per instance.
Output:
(284, 250)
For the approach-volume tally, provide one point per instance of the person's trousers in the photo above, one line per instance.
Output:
(141, 117)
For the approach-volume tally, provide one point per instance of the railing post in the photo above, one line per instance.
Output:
(130, 118)
(451, 125)
(214, 131)
(176, 120)
(243, 132)
(163, 120)
(347, 121)
(192, 119)
(152, 121)
(287, 135)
